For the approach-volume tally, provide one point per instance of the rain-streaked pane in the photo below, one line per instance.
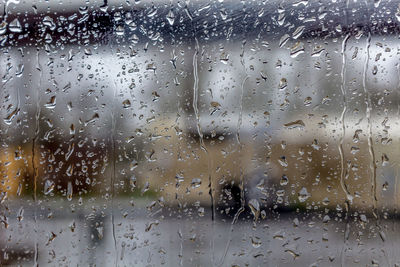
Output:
(199, 133)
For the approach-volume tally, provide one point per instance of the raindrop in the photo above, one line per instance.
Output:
(151, 66)
(155, 96)
(298, 32)
(282, 84)
(255, 208)
(375, 70)
(19, 71)
(256, 242)
(100, 232)
(326, 201)
(152, 12)
(295, 124)
(15, 26)
(224, 57)
(284, 40)
(296, 49)
(48, 21)
(69, 191)
(281, 18)
(385, 186)
(224, 14)
(70, 170)
(283, 162)
(150, 225)
(92, 120)
(48, 187)
(170, 17)
(317, 51)
(200, 211)
(52, 103)
(3, 27)
(385, 159)
(303, 194)
(120, 31)
(11, 116)
(126, 103)
(196, 182)
(284, 180)
(398, 13)
(307, 101)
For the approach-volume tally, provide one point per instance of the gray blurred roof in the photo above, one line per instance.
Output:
(208, 21)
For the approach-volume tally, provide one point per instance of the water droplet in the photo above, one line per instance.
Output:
(315, 144)
(20, 215)
(385, 186)
(15, 26)
(297, 49)
(284, 180)
(295, 124)
(281, 18)
(301, 2)
(152, 12)
(385, 159)
(398, 13)
(256, 241)
(70, 170)
(298, 32)
(3, 27)
(223, 13)
(120, 31)
(11, 116)
(72, 226)
(69, 191)
(255, 208)
(280, 235)
(303, 194)
(72, 129)
(375, 70)
(308, 101)
(292, 252)
(196, 182)
(283, 162)
(100, 232)
(170, 17)
(19, 71)
(132, 182)
(48, 21)
(93, 119)
(52, 103)
(282, 84)
(200, 211)
(126, 103)
(151, 224)
(284, 40)
(326, 219)
(155, 96)
(48, 187)
(151, 66)
(382, 235)
(224, 57)
(317, 51)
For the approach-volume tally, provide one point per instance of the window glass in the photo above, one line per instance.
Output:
(192, 133)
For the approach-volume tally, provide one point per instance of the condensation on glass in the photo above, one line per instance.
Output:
(199, 133)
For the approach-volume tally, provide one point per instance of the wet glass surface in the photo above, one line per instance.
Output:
(199, 133)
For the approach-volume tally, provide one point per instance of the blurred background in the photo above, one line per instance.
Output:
(226, 133)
